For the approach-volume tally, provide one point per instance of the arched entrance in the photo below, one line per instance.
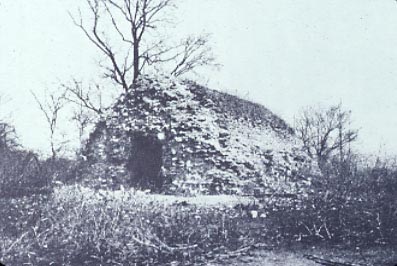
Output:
(145, 161)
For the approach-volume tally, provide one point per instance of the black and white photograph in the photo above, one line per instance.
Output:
(198, 133)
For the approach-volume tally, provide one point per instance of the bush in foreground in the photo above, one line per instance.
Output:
(347, 205)
(78, 227)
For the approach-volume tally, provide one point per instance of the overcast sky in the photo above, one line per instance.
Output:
(284, 54)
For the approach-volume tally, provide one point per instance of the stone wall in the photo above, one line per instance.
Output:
(211, 142)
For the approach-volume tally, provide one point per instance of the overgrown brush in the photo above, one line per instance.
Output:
(19, 173)
(74, 229)
(80, 226)
(23, 173)
(346, 206)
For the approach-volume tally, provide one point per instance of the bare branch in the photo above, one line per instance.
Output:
(324, 132)
(117, 74)
(50, 107)
(130, 21)
(196, 53)
(77, 95)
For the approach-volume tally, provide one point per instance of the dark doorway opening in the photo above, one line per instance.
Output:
(145, 161)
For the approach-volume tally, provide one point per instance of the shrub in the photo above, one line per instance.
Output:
(346, 205)
(79, 227)
(20, 173)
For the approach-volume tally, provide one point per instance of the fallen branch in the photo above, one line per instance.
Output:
(330, 262)
(15, 243)
(242, 251)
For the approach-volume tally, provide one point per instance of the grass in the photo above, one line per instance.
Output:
(79, 226)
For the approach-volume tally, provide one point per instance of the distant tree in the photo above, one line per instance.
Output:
(88, 104)
(8, 136)
(127, 33)
(50, 106)
(325, 132)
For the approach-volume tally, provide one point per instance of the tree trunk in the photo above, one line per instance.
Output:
(136, 61)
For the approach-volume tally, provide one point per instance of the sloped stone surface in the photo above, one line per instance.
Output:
(211, 142)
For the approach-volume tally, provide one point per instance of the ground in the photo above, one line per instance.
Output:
(68, 224)
(295, 256)
(265, 255)
(268, 258)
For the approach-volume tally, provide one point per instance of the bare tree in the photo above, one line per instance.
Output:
(132, 25)
(83, 120)
(8, 136)
(51, 106)
(88, 104)
(325, 132)
(89, 97)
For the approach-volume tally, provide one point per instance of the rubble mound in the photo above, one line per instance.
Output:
(179, 137)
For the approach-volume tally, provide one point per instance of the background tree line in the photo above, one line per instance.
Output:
(353, 199)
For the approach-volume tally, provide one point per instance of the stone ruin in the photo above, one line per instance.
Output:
(179, 137)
